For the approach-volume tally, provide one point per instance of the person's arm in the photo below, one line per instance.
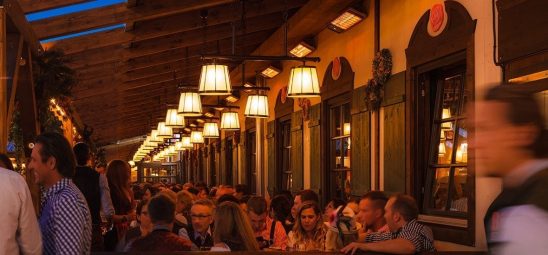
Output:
(280, 237)
(106, 200)
(29, 238)
(69, 226)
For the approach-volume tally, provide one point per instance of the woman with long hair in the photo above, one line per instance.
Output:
(309, 232)
(118, 176)
(233, 231)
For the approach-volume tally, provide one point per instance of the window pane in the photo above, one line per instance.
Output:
(346, 117)
(336, 124)
(461, 155)
(440, 189)
(451, 96)
(445, 146)
(459, 197)
(346, 152)
(342, 184)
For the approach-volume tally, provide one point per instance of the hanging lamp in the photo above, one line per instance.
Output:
(154, 137)
(186, 142)
(211, 130)
(230, 121)
(303, 82)
(164, 131)
(190, 104)
(256, 106)
(174, 119)
(196, 137)
(214, 80)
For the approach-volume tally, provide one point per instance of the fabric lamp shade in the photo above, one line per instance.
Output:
(230, 121)
(303, 82)
(154, 137)
(214, 80)
(179, 146)
(190, 104)
(164, 131)
(256, 106)
(211, 130)
(186, 142)
(174, 119)
(196, 137)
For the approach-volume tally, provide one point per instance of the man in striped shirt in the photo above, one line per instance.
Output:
(406, 235)
(65, 220)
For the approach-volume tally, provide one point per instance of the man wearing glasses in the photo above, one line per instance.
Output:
(199, 231)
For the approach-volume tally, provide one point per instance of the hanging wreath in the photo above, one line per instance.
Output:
(374, 90)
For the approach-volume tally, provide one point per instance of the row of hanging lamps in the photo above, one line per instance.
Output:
(211, 130)
(230, 121)
(154, 136)
(214, 80)
(179, 146)
(303, 82)
(174, 119)
(190, 104)
(196, 137)
(164, 131)
(185, 140)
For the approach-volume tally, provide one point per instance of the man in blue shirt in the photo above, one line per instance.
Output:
(65, 220)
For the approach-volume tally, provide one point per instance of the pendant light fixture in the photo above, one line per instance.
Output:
(154, 137)
(257, 105)
(211, 130)
(164, 131)
(303, 82)
(214, 80)
(230, 121)
(174, 119)
(190, 104)
(196, 137)
(179, 146)
(186, 142)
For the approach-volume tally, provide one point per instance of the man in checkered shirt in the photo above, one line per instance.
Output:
(65, 220)
(406, 235)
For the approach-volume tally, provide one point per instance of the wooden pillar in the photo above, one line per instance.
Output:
(4, 125)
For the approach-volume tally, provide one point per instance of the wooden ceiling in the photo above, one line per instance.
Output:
(126, 76)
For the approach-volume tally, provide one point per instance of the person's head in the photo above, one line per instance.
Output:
(184, 201)
(399, 210)
(142, 215)
(256, 210)
(204, 193)
(5, 162)
(150, 191)
(301, 197)
(52, 159)
(240, 191)
(371, 208)
(193, 190)
(118, 174)
(232, 226)
(507, 122)
(169, 193)
(101, 168)
(227, 197)
(353, 204)
(243, 202)
(187, 185)
(332, 206)
(308, 218)
(201, 215)
(161, 210)
(224, 190)
(280, 208)
(82, 153)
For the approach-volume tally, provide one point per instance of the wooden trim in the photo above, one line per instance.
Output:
(15, 80)
(41, 5)
(3, 83)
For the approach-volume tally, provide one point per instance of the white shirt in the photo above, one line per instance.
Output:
(19, 231)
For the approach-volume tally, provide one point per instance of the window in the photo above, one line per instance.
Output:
(228, 161)
(339, 170)
(212, 164)
(251, 160)
(284, 153)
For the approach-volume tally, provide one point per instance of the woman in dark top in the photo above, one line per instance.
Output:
(118, 175)
(280, 210)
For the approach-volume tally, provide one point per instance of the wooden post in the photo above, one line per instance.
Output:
(4, 125)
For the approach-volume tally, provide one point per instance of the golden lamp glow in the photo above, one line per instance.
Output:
(346, 20)
(171, 150)
(346, 129)
(303, 82)
(462, 153)
(301, 50)
(270, 72)
(446, 114)
(190, 104)
(441, 149)
(232, 99)
(163, 130)
(186, 142)
(179, 146)
(154, 137)
(230, 121)
(214, 80)
(211, 130)
(256, 106)
(174, 119)
(196, 137)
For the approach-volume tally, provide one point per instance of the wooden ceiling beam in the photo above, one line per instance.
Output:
(42, 5)
(116, 14)
(158, 28)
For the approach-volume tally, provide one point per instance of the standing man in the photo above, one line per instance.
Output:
(87, 180)
(511, 143)
(65, 220)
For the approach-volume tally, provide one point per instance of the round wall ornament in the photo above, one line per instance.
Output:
(437, 20)
(336, 69)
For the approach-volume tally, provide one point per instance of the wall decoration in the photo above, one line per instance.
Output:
(283, 94)
(437, 20)
(304, 103)
(374, 90)
(336, 70)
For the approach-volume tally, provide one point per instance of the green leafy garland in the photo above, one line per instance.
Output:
(374, 90)
(16, 136)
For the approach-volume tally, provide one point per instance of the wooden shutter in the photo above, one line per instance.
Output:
(360, 141)
(271, 160)
(315, 151)
(296, 163)
(243, 158)
(222, 160)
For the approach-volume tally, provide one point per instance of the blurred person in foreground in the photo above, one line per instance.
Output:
(511, 142)
(233, 231)
(161, 210)
(406, 235)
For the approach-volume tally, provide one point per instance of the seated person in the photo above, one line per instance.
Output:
(199, 230)
(269, 233)
(232, 229)
(309, 231)
(161, 210)
(406, 235)
(371, 213)
(182, 207)
(142, 229)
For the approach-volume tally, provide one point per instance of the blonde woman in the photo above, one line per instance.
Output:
(309, 232)
(233, 231)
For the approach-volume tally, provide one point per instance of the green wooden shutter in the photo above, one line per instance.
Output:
(222, 160)
(360, 141)
(243, 158)
(235, 163)
(314, 114)
(296, 163)
(271, 159)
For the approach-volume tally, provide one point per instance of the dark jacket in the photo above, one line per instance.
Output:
(87, 180)
(160, 240)
(206, 244)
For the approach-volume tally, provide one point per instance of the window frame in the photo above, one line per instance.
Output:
(281, 151)
(251, 159)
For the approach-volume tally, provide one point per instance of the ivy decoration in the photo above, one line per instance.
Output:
(382, 69)
(16, 137)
